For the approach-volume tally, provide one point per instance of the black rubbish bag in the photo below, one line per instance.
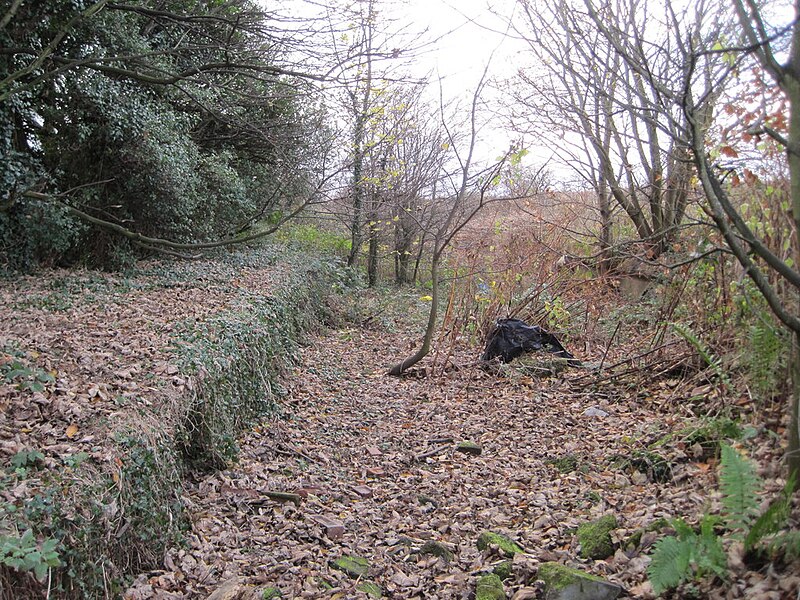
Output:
(511, 338)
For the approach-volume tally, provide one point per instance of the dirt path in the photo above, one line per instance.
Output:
(377, 456)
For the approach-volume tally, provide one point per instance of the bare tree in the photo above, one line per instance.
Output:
(469, 196)
(619, 131)
(707, 56)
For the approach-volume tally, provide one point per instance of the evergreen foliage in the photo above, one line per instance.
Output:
(174, 122)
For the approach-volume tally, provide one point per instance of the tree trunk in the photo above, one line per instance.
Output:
(372, 253)
(431, 329)
(793, 449)
(604, 202)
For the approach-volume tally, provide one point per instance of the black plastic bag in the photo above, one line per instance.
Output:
(511, 338)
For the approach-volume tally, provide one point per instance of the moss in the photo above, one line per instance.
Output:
(558, 576)
(490, 587)
(504, 544)
(469, 448)
(565, 464)
(595, 537)
(370, 588)
(503, 569)
(436, 549)
(354, 566)
(271, 593)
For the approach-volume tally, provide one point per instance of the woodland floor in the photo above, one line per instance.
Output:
(377, 454)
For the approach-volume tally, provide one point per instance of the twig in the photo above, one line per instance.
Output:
(608, 347)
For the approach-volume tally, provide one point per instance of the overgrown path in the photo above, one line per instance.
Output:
(375, 462)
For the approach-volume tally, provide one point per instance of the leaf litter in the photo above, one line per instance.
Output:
(375, 462)
(363, 465)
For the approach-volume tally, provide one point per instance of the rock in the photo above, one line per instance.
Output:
(229, 590)
(375, 472)
(363, 491)
(595, 537)
(593, 411)
(370, 588)
(490, 588)
(403, 580)
(271, 593)
(526, 593)
(436, 549)
(354, 566)
(563, 583)
(503, 570)
(506, 546)
(333, 529)
(469, 448)
(374, 451)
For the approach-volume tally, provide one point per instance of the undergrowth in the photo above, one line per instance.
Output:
(694, 554)
(238, 358)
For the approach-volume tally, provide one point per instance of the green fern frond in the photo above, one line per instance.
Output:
(683, 530)
(713, 361)
(740, 485)
(670, 564)
(773, 519)
(710, 555)
(766, 353)
(788, 543)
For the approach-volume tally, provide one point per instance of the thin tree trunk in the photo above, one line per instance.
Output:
(372, 253)
(793, 449)
(431, 329)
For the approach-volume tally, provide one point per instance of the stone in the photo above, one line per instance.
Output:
(526, 593)
(490, 588)
(402, 580)
(595, 537)
(469, 448)
(333, 529)
(374, 451)
(504, 544)
(375, 472)
(436, 549)
(354, 566)
(503, 570)
(370, 588)
(363, 491)
(564, 583)
(593, 411)
(228, 590)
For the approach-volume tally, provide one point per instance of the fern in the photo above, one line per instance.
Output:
(710, 555)
(767, 347)
(690, 555)
(713, 361)
(787, 542)
(669, 566)
(773, 519)
(740, 485)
